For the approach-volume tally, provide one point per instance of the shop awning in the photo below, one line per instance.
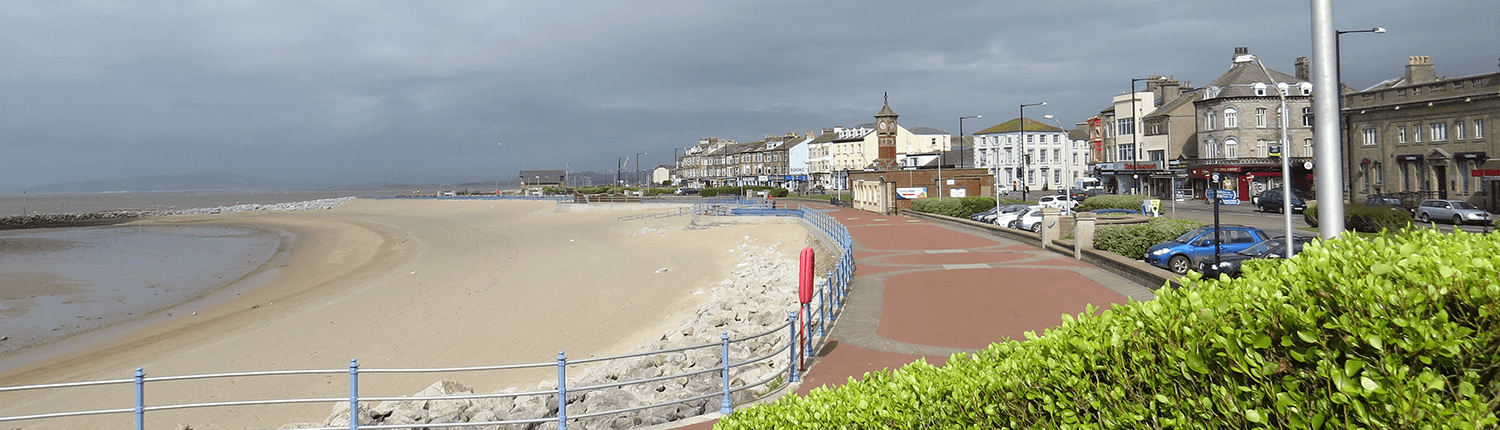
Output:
(1410, 157)
(1489, 168)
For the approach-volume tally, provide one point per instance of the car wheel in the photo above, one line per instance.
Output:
(1179, 264)
(1457, 220)
(1281, 209)
(1036, 228)
(1423, 217)
(1011, 224)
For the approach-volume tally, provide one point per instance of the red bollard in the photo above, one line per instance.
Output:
(804, 296)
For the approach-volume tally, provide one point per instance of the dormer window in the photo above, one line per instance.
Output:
(1260, 89)
(1306, 88)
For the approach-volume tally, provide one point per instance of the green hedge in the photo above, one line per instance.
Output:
(960, 207)
(1400, 332)
(1366, 218)
(1128, 201)
(1131, 241)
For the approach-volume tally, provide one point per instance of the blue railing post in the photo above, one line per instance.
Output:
(822, 312)
(562, 391)
(140, 398)
(791, 341)
(353, 394)
(724, 407)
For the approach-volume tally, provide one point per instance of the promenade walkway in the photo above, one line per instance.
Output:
(923, 289)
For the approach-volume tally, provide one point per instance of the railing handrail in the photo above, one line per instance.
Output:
(829, 299)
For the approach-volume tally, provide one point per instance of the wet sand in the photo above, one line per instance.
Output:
(396, 284)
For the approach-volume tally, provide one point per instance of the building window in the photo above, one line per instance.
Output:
(1439, 131)
(1210, 120)
(1478, 129)
(1364, 171)
(1125, 126)
(1307, 117)
(1260, 117)
(1231, 147)
(1057, 178)
(1405, 176)
(1056, 156)
(1416, 133)
(1371, 137)
(1458, 130)
(1463, 174)
(1125, 152)
(1307, 150)
(1401, 134)
(1260, 89)
(1230, 118)
(1261, 149)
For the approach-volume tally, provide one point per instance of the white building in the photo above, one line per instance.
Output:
(1050, 162)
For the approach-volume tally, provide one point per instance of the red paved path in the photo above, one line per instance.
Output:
(927, 290)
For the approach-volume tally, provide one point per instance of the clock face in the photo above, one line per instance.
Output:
(882, 126)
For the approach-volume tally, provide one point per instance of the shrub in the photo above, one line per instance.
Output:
(955, 207)
(1397, 332)
(734, 190)
(1365, 218)
(1131, 241)
(1130, 201)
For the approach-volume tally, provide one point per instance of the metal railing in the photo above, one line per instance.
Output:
(804, 336)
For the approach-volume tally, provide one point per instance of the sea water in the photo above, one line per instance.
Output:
(57, 282)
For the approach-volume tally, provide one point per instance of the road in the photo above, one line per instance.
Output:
(1273, 223)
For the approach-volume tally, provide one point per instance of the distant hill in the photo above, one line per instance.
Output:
(205, 181)
(221, 181)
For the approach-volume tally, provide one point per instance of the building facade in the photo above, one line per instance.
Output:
(1424, 135)
(1240, 122)
(1049, 163)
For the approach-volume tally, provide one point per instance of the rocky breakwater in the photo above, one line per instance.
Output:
(755, 299)
(125, 215)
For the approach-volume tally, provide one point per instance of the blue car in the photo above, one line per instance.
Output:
(1188, 250)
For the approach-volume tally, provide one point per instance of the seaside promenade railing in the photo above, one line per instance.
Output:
(806, 331)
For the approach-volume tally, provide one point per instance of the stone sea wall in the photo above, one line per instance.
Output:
(119, 216)
(757, 297)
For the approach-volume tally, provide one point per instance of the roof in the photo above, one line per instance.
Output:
(926, 130)
(1240, 81)
(1014, 125)
(1166, 109)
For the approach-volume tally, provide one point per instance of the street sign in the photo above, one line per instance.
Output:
(1229, 201)
(1224, 194)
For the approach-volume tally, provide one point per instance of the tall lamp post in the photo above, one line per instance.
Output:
(961, 138)
(1067, 185)
(1135, 143)
(1025, 174)
(638, 167)
(1338, 78)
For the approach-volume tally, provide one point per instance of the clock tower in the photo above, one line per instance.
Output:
(885, 137)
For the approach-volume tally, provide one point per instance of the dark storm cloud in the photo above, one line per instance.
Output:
(97, 90)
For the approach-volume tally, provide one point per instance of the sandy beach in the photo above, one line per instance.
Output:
(396, 284)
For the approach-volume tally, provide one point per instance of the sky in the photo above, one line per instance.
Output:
(93, 90)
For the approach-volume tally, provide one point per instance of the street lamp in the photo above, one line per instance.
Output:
(1134, 142)
(1025, 176)
(638, 167)
(1067, 158)
(961, 138)
(1338, 79)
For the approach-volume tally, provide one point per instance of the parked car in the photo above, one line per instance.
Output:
(1387, 201)
(686, 191)
(1032, 219)
(1455, 211)
(1229, 264)
(985, 216)
(1185, 252)
(1008, 219)
(1270, 201)
(1080, 194)
(1058, 201)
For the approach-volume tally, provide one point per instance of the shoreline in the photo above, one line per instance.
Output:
(412, 284)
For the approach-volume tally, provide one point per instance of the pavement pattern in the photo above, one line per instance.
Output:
(927, 290)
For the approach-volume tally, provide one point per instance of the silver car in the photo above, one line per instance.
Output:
(1455, 211)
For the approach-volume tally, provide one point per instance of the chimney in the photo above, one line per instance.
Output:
(1420, 70)
(1166, 88)
(1242, 55)
(1304, 71)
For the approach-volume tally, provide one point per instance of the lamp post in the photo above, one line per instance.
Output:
(1067, 158)
(1338, 79)
(1134, 142)
(961, 138)
(1025, 174)
(638, 167)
